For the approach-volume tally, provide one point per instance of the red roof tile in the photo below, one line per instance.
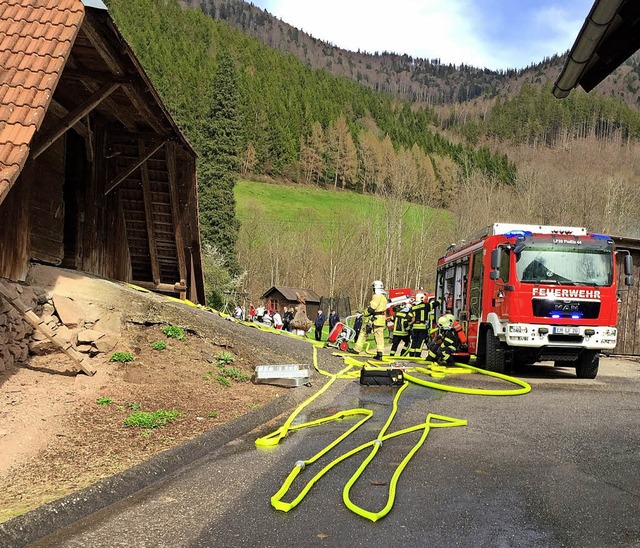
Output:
(35, 41)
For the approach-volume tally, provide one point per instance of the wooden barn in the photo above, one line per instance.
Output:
(629, 311)
(279, 297)
(95, 175)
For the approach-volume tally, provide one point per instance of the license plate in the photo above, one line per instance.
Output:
(566, 330)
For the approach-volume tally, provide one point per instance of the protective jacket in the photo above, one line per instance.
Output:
(401, 322)
(377, 309)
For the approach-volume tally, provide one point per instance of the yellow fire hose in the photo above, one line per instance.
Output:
(350, 371)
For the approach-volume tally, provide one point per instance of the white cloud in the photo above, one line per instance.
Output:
(422, 28)
(497, 34)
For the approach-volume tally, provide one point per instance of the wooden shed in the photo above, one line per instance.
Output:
(95, 175)
(279, 297)
(629, 311)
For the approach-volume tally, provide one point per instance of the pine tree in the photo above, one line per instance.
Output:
(219, 164)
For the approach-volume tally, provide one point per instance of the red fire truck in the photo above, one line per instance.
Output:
(528, 293)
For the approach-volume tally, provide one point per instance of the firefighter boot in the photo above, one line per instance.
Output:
(378, 356)
(352, 351)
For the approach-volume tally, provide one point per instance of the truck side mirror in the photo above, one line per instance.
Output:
(628, 280)
(495, 259)
(628, 265)
(494, 275)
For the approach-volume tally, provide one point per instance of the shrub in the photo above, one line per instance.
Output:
(121, 357)
(174, 332)
(155, 419)
(159, 345)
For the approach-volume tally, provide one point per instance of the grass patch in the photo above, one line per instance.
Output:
(234, 373)
(159, 345)
(151, 419)
(225, 358)
(121, 357)
(104, 401)
(174, 332)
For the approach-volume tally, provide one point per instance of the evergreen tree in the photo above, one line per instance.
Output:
(219, 164)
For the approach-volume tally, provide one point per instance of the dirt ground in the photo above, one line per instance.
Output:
(55, 438)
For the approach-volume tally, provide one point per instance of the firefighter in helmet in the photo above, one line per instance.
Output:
(401, 329)
(449, 337)
(375, 316)
(421, 313)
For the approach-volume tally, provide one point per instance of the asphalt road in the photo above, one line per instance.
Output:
(559, 466)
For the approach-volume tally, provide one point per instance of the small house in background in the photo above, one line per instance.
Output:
(277, 298)
(95, 175)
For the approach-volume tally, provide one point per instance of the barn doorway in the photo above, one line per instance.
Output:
(75, 177)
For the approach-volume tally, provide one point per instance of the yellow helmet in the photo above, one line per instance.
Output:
(445, 321)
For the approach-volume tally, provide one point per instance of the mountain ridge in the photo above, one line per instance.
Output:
(419, 80)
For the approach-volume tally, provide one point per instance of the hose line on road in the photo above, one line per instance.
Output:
(352, 369)
(374, 446)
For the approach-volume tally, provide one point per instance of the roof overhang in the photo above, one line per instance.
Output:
(608, 37)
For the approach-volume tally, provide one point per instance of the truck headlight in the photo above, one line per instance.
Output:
(518, 329)
(610, 332)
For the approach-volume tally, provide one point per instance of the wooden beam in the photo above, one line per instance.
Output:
(140, 104)
(107, 52)
(164, 288)
(148, 211)
(115, 110)
(119, 178)
(175, 210)
(60, 112)
(44, 141)
(97, 76)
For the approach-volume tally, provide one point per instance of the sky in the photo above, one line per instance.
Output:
(496, 34)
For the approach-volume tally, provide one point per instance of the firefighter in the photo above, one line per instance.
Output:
(421, 313)
(401, 329)
(375, 314)
(448, 339)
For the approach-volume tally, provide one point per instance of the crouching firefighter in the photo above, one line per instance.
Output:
(421, 312)
(375, 317)
(401, 330)
(448, 339)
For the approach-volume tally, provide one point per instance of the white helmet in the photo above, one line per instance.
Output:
(419, 297)
(377, 286)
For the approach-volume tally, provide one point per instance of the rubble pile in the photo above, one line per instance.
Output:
(18, 340)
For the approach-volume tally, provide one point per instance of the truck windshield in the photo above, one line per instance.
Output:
(548, 262)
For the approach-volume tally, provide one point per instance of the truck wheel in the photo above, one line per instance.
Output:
(587, 364)
(494, 357)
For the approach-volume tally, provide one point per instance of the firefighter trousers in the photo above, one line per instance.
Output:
(441, 353)
(378, 335)
(417, 340)
(395, 342)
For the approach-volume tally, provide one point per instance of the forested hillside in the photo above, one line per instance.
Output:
(255, 112)
(415, 79)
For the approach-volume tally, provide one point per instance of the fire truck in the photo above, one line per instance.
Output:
(529, 293)
(399, 297)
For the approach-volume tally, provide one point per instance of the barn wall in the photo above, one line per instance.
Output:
(14, 236)
(47, 205)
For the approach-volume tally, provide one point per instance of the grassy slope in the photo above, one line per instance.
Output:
(297, 206)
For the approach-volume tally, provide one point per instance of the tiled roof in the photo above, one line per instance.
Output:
(35, 41)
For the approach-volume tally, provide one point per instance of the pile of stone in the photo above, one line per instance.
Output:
(18, 340)
(15, 333)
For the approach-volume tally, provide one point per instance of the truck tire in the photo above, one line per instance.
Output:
(587, 364)
(494, 359)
